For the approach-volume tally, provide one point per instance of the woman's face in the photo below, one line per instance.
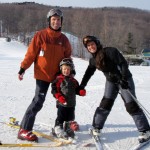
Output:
(91, 47)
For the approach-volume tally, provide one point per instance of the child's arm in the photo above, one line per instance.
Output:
(57, 92)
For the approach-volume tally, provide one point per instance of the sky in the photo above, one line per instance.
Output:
(119, 132)
(141, 4)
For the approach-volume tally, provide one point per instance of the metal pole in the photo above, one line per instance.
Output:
(146, 111)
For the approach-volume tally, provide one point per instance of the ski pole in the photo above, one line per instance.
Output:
(146, 111)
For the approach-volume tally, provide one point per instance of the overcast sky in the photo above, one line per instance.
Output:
(141, 4)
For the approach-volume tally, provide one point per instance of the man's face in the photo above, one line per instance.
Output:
(55, 22)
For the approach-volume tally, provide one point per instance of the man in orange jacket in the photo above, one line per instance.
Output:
(48, 47)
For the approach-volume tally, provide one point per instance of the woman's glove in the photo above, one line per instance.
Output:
(124, 84)
(82, 92)
(60, 98)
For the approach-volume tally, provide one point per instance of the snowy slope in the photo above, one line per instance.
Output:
(119, 132)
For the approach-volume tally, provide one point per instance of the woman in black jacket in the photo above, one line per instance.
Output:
(118, 77)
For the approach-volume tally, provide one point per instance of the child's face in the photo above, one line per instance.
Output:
(65, 69)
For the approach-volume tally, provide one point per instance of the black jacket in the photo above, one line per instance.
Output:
(116, 67)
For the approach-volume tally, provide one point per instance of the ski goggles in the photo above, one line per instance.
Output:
(67, 61)
(88, 39)
(54, 12)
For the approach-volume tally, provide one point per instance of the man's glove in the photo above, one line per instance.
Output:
(124, 84)
(21, 73)
(60, 98)
(82, 92)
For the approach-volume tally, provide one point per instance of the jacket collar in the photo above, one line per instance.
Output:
(53, 33)
(62, 76)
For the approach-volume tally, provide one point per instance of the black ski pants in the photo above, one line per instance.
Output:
(64, 114)
(110, 94)
(36, 105)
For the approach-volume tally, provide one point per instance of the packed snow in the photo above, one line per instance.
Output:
(119, 132)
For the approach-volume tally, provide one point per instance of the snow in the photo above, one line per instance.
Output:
(119, 132)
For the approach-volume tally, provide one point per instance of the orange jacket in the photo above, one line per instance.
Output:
(46, 50)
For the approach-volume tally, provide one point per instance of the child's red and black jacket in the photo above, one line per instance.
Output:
(66, 86)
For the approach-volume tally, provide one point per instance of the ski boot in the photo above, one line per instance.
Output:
(68, 130)
(27, 135)
(74, 125)
(59, 132)
(96, 132)
(144, 136)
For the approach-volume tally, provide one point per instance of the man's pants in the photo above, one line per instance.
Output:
(36, 104)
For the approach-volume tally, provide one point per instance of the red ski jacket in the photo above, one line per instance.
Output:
(46, 50)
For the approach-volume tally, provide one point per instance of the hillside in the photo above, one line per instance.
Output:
(125, 28)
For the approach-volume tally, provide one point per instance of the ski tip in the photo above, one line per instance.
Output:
(72, 140)
(87, 144)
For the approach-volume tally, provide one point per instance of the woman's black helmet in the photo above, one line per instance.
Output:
(89, 38)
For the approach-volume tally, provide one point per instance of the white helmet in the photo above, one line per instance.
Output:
(53, 12)
(67, 61)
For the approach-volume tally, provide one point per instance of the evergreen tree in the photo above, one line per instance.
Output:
(130, 49)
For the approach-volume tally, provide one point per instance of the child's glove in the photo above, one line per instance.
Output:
(82, 92)
(61, 99)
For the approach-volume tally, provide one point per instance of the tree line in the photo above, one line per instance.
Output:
(125, 28)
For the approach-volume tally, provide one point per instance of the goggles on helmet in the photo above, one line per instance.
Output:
(88, 39)
(67, 61)
(56, 12)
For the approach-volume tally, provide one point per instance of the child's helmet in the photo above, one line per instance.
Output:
(89, 38)
(67, 61)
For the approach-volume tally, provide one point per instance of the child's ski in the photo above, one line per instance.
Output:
(66, 137)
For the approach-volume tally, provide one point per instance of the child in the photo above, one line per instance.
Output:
(64, 89)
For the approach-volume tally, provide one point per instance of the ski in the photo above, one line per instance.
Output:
(14, 124)
(73, 140)
(97, 141)
(28, 145)
(141, 145)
